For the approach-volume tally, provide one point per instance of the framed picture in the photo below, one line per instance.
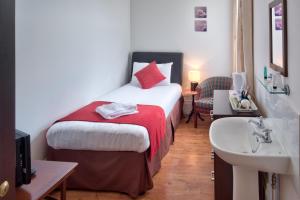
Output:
(278, 24)
(200, 25)
(201, 12)
(278, 10)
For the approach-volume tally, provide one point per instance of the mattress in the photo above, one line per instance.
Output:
(78, 135)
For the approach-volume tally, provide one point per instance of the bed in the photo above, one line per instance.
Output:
(116, 158)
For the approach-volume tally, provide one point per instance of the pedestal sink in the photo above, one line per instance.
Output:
(233, 141)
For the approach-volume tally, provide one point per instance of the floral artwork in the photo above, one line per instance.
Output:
(201, 12)
(278, 10)
(200, 25)
(278, 24)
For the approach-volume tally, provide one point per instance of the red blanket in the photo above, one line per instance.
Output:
(150, 117)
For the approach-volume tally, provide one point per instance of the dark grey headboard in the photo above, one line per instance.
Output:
(162, 57)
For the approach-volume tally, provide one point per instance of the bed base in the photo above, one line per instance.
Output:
(118, 171)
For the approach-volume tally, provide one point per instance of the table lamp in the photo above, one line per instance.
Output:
(194, 77)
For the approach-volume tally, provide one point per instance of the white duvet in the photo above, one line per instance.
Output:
(78, 135)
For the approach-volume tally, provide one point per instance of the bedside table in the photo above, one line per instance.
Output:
(187, 93)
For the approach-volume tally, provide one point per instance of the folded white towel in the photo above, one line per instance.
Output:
(235, 94)
(115, 110)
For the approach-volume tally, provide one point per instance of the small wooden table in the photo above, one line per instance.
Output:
(187, 93)
(49, 176)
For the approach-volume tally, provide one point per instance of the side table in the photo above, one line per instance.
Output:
(49, 176)
(187, 93)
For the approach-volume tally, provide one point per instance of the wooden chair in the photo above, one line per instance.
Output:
(205, 92)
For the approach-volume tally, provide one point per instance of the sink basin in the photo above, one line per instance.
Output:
(233, 141)
(230, 140)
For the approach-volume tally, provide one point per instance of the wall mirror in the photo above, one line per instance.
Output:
(278, 36)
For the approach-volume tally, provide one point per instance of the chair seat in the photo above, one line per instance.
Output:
(205, 92)
(205, 103)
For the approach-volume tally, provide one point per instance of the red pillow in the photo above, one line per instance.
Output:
(149, 76)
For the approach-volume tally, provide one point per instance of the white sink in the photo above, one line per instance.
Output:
(233, 141)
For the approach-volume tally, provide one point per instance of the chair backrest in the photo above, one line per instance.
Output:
(208, 86)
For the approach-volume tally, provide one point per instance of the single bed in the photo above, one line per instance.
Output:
(116, 158)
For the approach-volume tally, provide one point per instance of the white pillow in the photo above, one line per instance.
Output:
(164, 68)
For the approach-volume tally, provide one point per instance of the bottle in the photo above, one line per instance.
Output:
(265, 73)
(276, 81)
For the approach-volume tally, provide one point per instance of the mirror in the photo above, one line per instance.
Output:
(278, 36)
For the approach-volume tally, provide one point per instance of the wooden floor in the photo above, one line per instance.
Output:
(185, 171)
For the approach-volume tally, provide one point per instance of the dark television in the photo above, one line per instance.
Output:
(23, 160)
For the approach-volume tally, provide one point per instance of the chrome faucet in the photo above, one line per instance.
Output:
(266, 137)
(260, 123)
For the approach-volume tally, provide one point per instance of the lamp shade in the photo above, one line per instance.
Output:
(194, 76)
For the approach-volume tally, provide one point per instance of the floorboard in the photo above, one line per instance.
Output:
(185, 172)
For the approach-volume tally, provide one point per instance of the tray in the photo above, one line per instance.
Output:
(234, 107)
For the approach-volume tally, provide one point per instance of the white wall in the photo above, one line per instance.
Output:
(168, 25)
(68, 52)
(286, 108)
(261, 42)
